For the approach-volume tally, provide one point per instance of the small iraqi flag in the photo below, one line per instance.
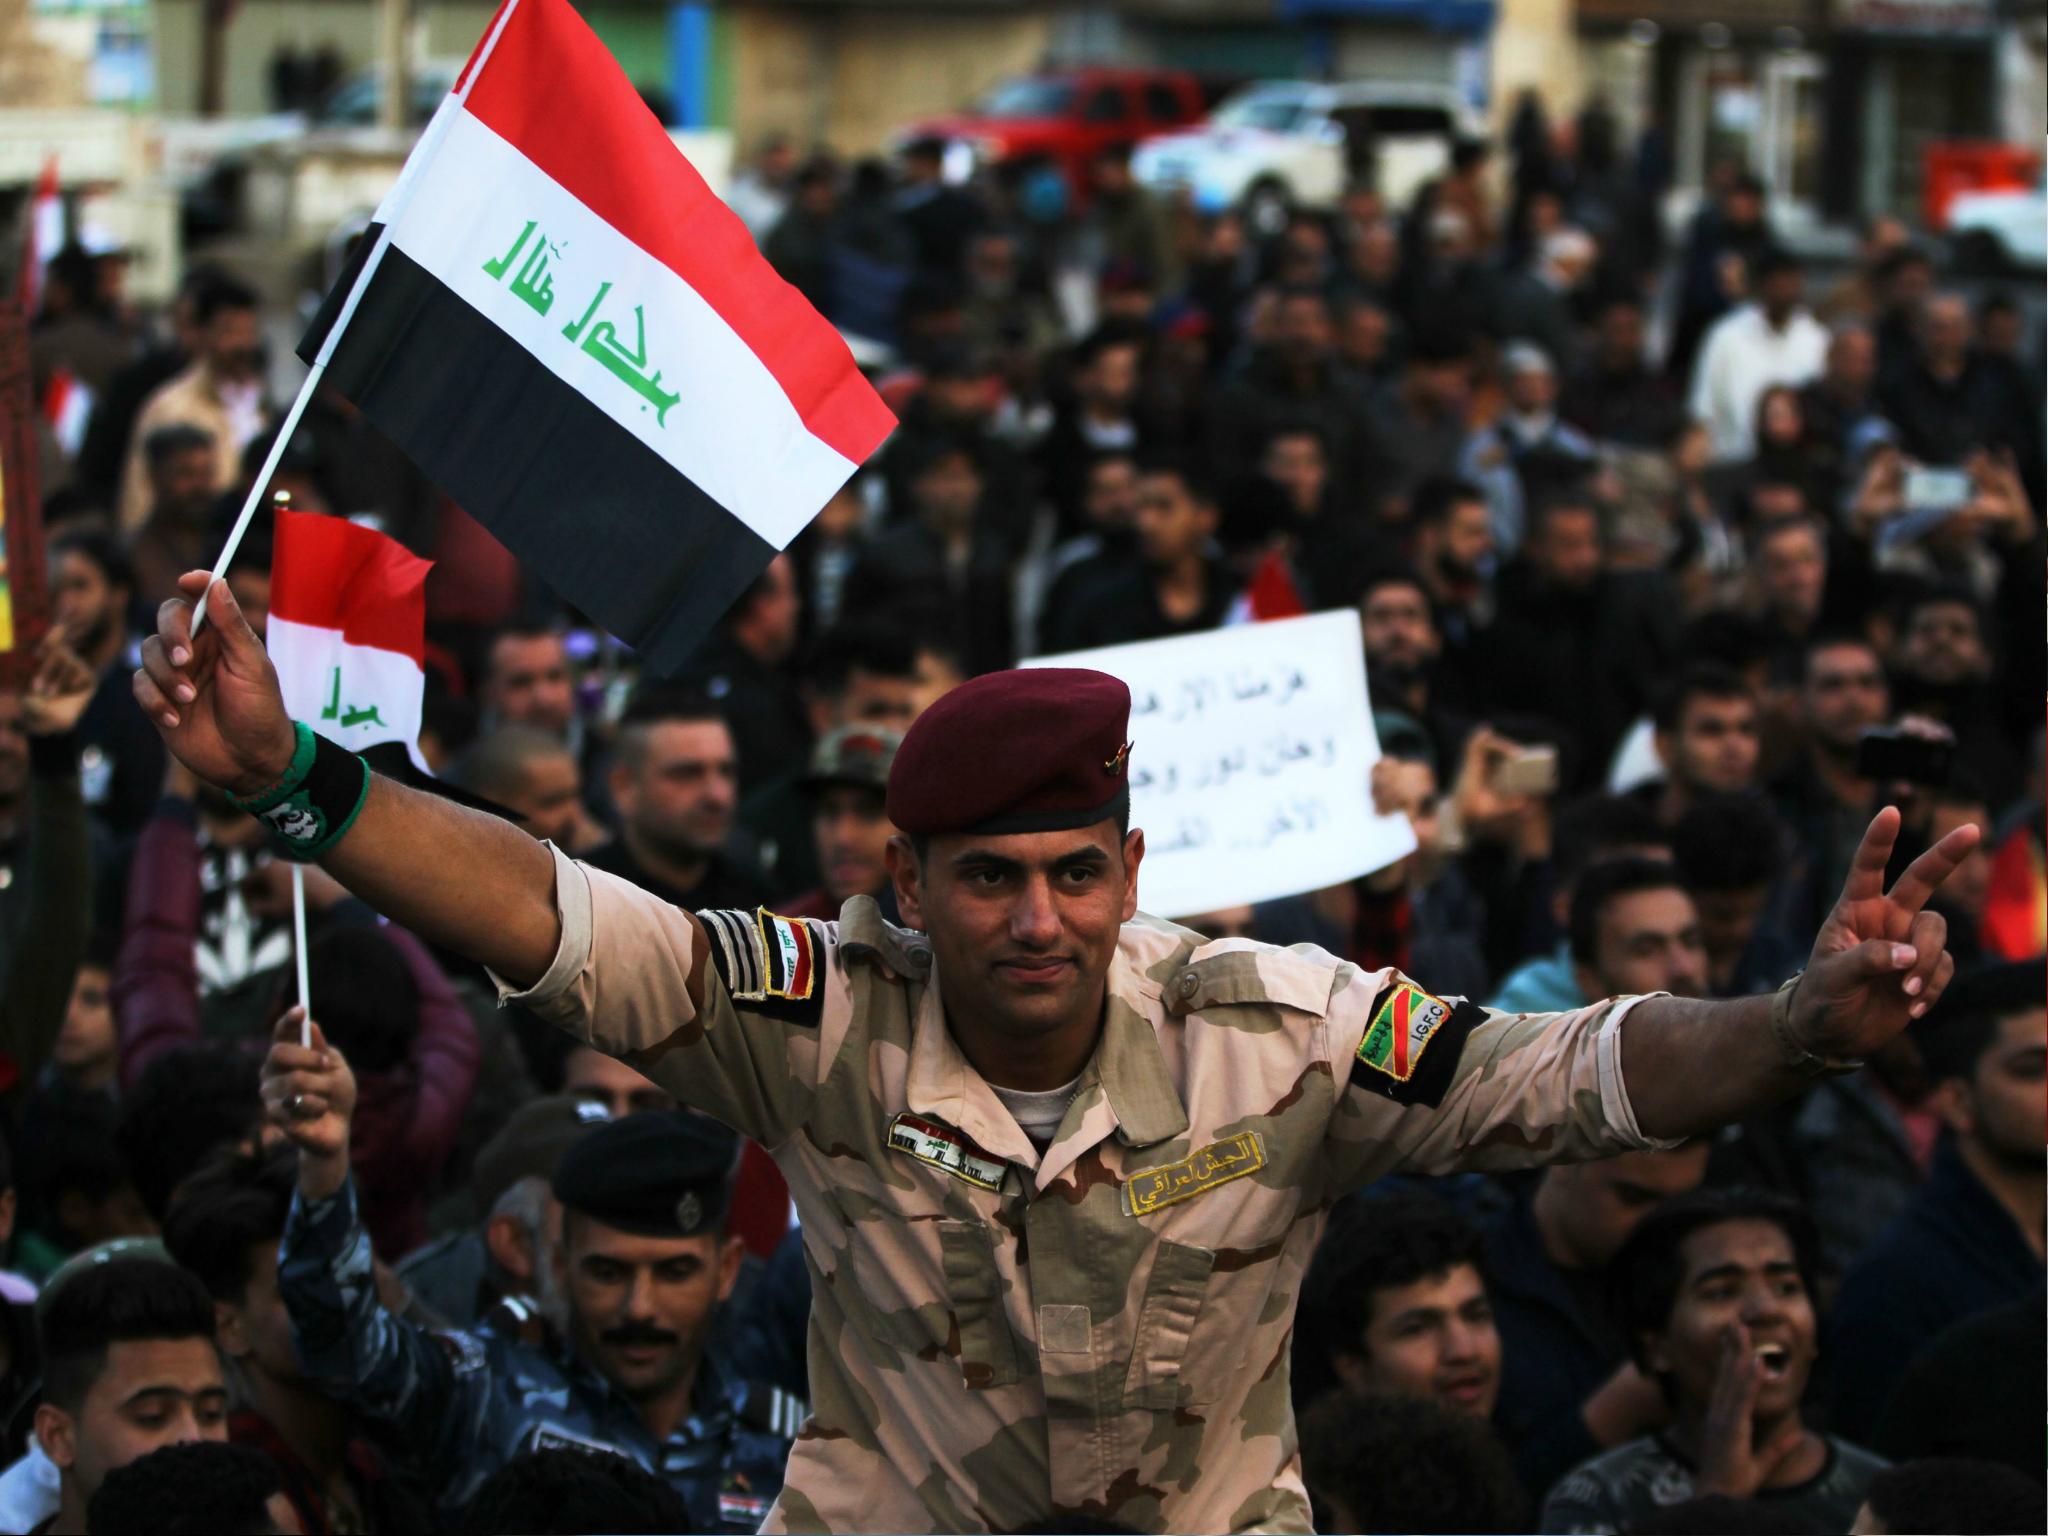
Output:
(565, 328)
(347, 634)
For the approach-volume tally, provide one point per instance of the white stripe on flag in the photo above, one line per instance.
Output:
(354, 695)
(730, 428)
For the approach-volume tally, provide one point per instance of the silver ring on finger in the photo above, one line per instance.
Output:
(296, 1105)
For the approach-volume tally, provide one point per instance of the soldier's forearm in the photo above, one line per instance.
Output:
(459, 877)
(1693, 1065)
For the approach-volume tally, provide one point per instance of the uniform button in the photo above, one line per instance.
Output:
(1190, 984)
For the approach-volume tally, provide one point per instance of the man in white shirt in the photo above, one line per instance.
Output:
(1770, 341)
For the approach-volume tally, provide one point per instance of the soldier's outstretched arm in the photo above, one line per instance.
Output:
(460, 877)
(1436, 1087)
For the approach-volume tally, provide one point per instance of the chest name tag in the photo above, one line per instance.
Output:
(1217, 1163)
(552, 1437)
(943, 1147)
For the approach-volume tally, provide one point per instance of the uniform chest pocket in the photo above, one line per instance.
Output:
(989, 1356)
(1166, 1323)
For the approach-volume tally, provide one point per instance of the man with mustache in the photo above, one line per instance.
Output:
(1059, 1167)
(642, 1266)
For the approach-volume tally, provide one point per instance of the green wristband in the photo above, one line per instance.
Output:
(303, 745)
(312, 807)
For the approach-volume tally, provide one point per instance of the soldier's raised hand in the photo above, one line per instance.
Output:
(1881, 959)
(214, 697)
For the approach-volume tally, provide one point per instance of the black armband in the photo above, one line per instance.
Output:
(1412, 1044)
(316, 802)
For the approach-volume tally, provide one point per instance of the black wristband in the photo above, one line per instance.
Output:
(313, 817)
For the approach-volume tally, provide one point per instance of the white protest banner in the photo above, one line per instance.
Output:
(1251, 762)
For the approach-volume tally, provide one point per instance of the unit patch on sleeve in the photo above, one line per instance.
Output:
(770, 965)
(1396, 1060)
(944, 1147)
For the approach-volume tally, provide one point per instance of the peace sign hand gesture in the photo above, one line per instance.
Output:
(1879, 961)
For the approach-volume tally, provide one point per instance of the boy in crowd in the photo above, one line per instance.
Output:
(201, 1489)
(1395, 1301)
(128, 1366)
(1715, 1292)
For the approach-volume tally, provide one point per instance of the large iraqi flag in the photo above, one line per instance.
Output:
(565, 329)
(348, 633)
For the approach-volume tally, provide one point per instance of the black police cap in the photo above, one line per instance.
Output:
(661, 1173)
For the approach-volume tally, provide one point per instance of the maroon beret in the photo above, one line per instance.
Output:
(1041, 749)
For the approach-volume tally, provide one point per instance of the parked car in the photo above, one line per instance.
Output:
(1993, 233)
(1065, 116)
(1282, 145)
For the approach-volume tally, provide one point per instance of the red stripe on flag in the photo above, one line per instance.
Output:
(800, 973)
(470, 63)
(553, 92)
(1403, 1000)
(331, 574)
(57, 395)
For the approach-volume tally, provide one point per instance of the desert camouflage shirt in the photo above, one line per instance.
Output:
(1002, 1335)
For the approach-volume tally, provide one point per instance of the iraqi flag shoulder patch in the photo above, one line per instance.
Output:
(1412, 1043)
(770, 964)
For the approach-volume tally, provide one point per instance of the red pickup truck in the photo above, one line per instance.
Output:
(1067, 116)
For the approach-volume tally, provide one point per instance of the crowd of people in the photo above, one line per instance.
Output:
(1672, 566)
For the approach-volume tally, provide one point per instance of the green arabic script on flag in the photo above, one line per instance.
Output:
(533, 284)
(347, 715)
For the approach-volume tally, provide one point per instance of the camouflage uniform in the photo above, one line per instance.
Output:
(1100, 1329)
(465, 1403)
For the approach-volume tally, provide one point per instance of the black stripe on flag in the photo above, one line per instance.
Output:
(610, 525)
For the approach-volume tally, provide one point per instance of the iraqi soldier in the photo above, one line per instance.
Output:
(642, 1265)
(1059, 1166)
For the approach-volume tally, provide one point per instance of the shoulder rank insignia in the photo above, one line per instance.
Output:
(1394, 1058)
(770, 964)
(943, 1147)
(1217, 1163)
(768, 1407)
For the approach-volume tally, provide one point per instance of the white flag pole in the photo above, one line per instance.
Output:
(387, 214)
(262, 484)
(299, 950)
